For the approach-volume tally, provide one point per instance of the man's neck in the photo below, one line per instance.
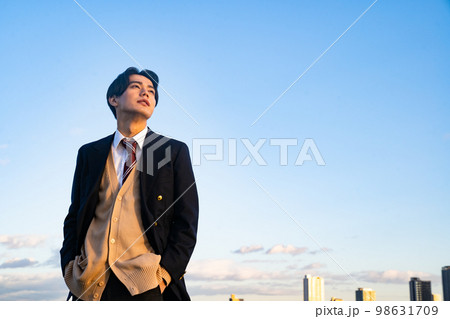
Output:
(131, 128)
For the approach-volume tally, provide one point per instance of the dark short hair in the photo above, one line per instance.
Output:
(120, 84)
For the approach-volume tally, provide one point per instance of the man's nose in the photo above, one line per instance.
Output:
(144, 92)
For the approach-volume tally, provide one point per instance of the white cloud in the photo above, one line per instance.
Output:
(332, 278)
(20, 241)
(313, 252)
(313, 266)
(369, 276)
(292, 267)
(3, 146)
(243, 290)
(392, 276)
(248, 249)
(47, 286)
(265, 261)
(226, 269)
(288, 249)
(54, 260)
(18, 263)
(222, 277)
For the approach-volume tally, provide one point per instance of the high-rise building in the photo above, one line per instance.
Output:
(313, 289)
(420, 290)
(446, 282)
(365, 294)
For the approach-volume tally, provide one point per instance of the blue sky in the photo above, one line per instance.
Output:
(376, 105)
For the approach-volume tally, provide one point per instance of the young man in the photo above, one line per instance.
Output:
(132, 225)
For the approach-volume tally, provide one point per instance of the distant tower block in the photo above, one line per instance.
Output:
(313, 289)
(446, 282)
(365, 294)
(420, 290)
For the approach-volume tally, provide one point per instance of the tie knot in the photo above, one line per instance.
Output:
(129, 144)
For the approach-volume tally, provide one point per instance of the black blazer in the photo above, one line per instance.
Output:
(171, 221)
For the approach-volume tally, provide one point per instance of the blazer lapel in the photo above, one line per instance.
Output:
(97, 157)
(152, 153)
(146, 166)
(97, 160)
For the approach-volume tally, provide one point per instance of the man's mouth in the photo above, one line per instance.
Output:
(144, 101)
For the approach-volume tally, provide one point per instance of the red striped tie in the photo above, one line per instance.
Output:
(130, 163)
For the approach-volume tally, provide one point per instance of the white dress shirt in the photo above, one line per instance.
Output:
(120, 154)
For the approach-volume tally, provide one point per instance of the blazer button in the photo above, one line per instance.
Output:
(156, 223)
(159, 197)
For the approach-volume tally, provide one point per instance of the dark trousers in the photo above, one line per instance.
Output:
(116, 291)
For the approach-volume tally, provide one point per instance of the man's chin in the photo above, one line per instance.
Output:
(145, 112)
(136, 116)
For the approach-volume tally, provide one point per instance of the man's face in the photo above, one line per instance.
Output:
(138, 100)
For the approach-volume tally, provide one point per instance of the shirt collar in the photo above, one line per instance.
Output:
(139, 138)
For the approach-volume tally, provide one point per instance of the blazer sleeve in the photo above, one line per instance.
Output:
(183, 231)
(68, 250)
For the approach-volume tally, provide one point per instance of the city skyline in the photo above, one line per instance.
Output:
(419, 290)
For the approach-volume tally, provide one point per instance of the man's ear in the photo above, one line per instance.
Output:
(113, 101)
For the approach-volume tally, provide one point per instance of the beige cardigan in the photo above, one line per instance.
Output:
(115, 241)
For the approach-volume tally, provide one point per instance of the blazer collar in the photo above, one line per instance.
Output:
(104, 145)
